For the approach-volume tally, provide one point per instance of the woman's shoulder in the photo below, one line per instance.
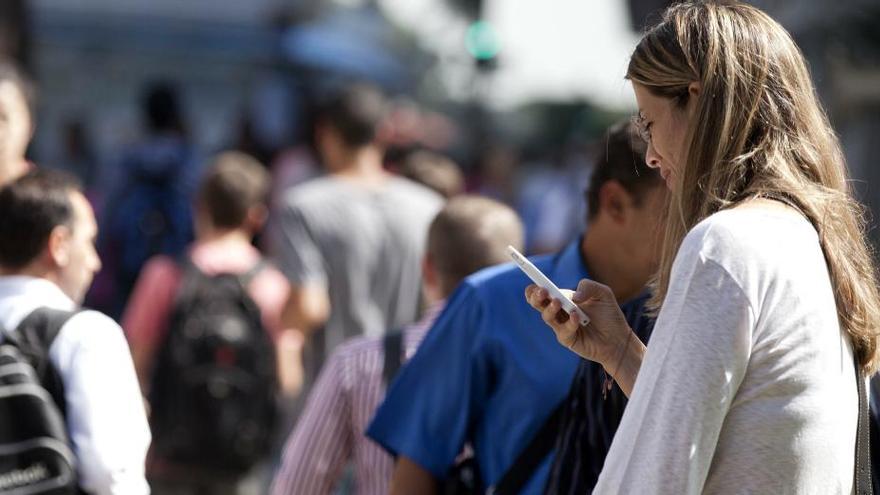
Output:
(755, 233)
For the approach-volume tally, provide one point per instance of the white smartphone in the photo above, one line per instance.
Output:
(542, 281)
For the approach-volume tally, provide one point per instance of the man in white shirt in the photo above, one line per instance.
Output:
(47, 260)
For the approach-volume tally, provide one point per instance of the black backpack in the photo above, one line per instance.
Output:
(212, 395)
(35, 453)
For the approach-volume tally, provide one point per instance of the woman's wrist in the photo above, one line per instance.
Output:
(623, 366)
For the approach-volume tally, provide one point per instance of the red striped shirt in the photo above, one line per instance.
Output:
(330, 431)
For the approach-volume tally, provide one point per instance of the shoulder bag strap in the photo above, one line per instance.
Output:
(392, 344)
(33, 337)
(863, 481)
(520, 472)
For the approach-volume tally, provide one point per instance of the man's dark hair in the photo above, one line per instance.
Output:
(234, 183)
(470, 233)
(10, 72)
(161, 107)
(32, 206)
(356, 113)
(621, 158)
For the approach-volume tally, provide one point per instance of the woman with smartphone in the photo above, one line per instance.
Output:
(767, 301)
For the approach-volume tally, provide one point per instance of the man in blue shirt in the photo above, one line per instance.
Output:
(489, 373)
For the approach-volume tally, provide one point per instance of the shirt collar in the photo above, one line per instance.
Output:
(20, 295)
(569, 267)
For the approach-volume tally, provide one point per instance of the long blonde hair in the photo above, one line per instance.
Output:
(758, 131)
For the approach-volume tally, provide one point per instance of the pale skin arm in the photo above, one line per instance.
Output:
(289, 360)
(607, 339)
(307, 308)
(411, 479)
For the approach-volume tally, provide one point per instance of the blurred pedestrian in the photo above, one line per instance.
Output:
(223, 287)
(16, 106)
(47, 261)
(352, 241)
(78, 155)
(434, 171)
(468, 234)
(487, 376)
(148, 206)
(753, 381)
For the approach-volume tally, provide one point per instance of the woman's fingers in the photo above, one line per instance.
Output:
(548, 314)
(560, 321)
(537, 297)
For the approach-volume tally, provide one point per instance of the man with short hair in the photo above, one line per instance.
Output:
(230, 209)
(352, 241)
(488, 374)
(47, 260)
(469, 233)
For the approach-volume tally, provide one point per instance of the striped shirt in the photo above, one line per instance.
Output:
(589, 421)
(330, 432)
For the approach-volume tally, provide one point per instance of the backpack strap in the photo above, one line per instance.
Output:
(187, 266)
(863, 484)
(392, 343)
(33, 337)
(248, 276)
(520, 472)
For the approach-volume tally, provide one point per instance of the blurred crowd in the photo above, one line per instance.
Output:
(257, 290)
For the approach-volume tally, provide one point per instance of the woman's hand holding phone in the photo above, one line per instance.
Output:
(607, 339)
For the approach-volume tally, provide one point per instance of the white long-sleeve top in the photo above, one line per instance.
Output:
(748, 384)
(105, 414)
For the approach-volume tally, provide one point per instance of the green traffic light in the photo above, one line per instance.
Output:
(482, 41)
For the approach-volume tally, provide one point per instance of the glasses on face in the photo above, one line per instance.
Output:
(641, 125)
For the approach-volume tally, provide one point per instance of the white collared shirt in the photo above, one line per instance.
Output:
(105, 415)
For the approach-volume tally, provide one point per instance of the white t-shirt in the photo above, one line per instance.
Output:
(748, 385)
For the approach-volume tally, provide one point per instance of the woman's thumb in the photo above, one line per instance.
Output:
(586, 289)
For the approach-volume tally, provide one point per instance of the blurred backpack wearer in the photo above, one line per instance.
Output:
(16, 113)
(65, 370)
(352, 241)
(148, 210)
(468, 234)
(203, 331)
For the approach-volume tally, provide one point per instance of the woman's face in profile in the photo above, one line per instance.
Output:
(664, 127)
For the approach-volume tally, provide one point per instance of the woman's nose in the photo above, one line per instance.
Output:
(651, 157)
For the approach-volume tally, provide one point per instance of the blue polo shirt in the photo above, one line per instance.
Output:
(489, 372)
